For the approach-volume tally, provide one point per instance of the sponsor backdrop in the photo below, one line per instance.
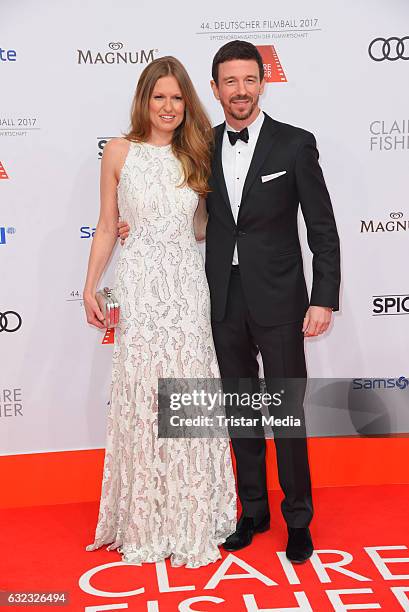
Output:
(68, 73)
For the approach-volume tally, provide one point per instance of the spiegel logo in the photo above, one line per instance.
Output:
(390, 305)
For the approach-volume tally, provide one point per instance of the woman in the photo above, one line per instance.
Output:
(160, 497)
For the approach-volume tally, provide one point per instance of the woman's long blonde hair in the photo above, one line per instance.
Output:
(193, 138)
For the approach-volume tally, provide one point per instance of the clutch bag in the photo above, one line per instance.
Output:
(109, 307)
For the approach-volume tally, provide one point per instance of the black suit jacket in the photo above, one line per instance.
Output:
(266, 232)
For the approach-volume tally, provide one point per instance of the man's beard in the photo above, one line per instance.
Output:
(245, 114)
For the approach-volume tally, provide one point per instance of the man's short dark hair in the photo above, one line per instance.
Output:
(236, 50)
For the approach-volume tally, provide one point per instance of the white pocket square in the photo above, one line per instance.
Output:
(270, 177)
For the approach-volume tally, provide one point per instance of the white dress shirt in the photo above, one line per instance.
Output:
(236, 161)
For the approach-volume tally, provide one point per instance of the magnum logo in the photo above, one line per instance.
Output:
(116, 55)
(396, 223)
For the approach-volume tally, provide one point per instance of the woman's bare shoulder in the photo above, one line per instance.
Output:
(116, 147)
(114, 155)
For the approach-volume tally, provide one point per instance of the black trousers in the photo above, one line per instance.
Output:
(238, 340)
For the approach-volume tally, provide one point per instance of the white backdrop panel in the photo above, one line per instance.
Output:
(54, 366)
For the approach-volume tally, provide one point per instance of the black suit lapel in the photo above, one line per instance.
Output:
(264, 143)
(217, 167)
(218, 174)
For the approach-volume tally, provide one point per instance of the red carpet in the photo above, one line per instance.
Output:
(43, 550)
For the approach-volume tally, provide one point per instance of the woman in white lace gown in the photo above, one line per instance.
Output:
(160, 497)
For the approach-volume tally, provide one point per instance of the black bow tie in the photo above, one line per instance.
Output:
(235, 136)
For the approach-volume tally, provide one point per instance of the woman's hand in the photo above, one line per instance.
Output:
(123, 231)
(93, 312)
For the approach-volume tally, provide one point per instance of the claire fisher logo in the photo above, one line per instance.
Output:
(273, 70)
(396, 223)
(116, 55)
(392, 49)
(392, 135)
(11, 403)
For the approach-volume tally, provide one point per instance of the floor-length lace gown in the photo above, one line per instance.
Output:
(161, 497)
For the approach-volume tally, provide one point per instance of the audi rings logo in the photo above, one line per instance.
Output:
(115, 46)
(10, 321)
(391, 49)
(396, 215)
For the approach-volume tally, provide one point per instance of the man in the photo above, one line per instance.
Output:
(262, 170)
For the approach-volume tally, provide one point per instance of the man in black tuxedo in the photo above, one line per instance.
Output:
(262, 170)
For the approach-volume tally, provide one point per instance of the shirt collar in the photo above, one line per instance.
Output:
(254, 128)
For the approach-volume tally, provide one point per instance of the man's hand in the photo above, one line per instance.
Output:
(316, 321)
(123, 231)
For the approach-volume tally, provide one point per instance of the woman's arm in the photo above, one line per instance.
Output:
(200, 220)
(106, 231)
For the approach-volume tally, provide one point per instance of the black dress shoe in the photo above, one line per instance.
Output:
(245, 530)
(300, 546)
